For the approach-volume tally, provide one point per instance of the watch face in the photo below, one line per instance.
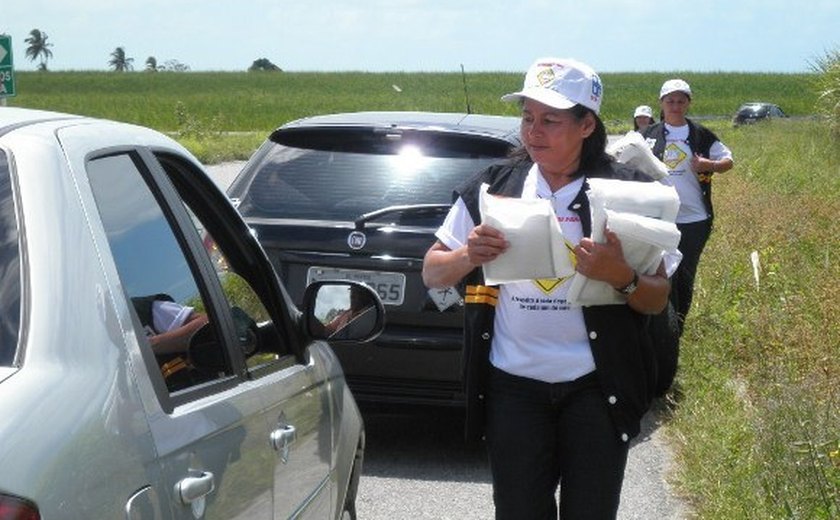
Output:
(630, 287)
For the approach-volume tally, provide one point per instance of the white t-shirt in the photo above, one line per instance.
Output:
(677, 157)
(168, 315)
(537, 333)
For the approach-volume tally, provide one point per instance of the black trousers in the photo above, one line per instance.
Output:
(541, 435)
(692, 241)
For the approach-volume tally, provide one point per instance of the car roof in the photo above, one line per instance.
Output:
(101, 132)
(13, 117)
(500, 127)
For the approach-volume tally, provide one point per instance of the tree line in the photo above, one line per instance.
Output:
(39, 48)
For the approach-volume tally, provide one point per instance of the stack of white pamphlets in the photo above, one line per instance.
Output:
(642, 215)
(537, 246)
(632, 150)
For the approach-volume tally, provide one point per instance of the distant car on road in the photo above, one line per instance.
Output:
(359, 196)
(749, 113)
(151, 363)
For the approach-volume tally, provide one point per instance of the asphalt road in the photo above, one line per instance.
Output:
(417, 465)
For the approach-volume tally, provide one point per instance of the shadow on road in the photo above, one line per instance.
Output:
(659, 413)
(421, 443)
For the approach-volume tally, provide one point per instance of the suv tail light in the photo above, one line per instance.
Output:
(14, 508)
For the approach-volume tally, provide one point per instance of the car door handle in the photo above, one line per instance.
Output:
(191, 489)
(282, 439)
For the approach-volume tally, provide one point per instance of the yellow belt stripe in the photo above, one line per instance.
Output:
(482, 289)
(172, 367)
(482, 299)
(482, 294)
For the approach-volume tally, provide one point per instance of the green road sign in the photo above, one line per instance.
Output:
(7, 70)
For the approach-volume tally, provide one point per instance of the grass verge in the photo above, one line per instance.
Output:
(757, 426)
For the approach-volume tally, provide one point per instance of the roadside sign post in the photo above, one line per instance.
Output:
(7, 70)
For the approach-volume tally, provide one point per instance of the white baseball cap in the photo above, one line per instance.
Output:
(643, 110)
(561, 83)
(674, 85)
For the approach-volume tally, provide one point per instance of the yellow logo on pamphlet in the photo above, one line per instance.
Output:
(547, 285)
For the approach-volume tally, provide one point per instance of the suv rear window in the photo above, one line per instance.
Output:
(334, 175)
(9, 267)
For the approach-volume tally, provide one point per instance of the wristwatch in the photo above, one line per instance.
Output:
(631, 287)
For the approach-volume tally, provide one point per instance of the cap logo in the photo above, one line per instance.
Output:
(546, 75)
(597, 89)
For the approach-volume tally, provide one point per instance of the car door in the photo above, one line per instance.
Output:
(211, 431)
(292, 383)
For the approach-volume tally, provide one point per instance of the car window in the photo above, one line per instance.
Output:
(10, 281)
(249, 290)
(357, 178)
(246, 308)
(155, 272)
(162, 276)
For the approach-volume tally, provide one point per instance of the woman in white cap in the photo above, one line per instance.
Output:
(557, 390)
(642, 118)
(692, 153)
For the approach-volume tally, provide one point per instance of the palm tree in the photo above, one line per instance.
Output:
(119, 62)
(151, 64)
(38, 48)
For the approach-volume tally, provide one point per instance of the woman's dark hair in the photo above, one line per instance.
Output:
(593, 154)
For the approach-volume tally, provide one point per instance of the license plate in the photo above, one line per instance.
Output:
(389, 286)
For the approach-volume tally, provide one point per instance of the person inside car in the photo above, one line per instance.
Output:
(168, 325)
(169, 328)
(557, 390)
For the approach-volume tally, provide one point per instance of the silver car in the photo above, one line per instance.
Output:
(151, 363)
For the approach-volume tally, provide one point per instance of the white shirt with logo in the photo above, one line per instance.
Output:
(677, 157)
(537, 333)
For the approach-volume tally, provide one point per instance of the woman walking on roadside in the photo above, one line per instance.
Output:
(559, 390)
(692, 153)
(642, 118)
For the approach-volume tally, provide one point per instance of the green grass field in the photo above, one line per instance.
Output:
(259, 102)
(755, 419)
(201, 109)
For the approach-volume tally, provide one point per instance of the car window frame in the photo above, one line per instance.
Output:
(238, 238)
(234, 236)
(209, 288)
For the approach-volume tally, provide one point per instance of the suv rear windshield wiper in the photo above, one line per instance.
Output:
(418, 210)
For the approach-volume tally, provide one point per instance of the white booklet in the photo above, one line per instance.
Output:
(537, 246)
(633, 150)
(642, 215)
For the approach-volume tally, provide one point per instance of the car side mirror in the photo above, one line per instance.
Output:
(342, 311)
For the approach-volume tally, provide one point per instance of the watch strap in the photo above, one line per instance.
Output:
(631, 287)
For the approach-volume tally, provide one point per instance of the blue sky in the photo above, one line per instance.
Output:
(431, 35)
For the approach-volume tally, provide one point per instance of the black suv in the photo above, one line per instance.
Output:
(749, 113)
(359, 196)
